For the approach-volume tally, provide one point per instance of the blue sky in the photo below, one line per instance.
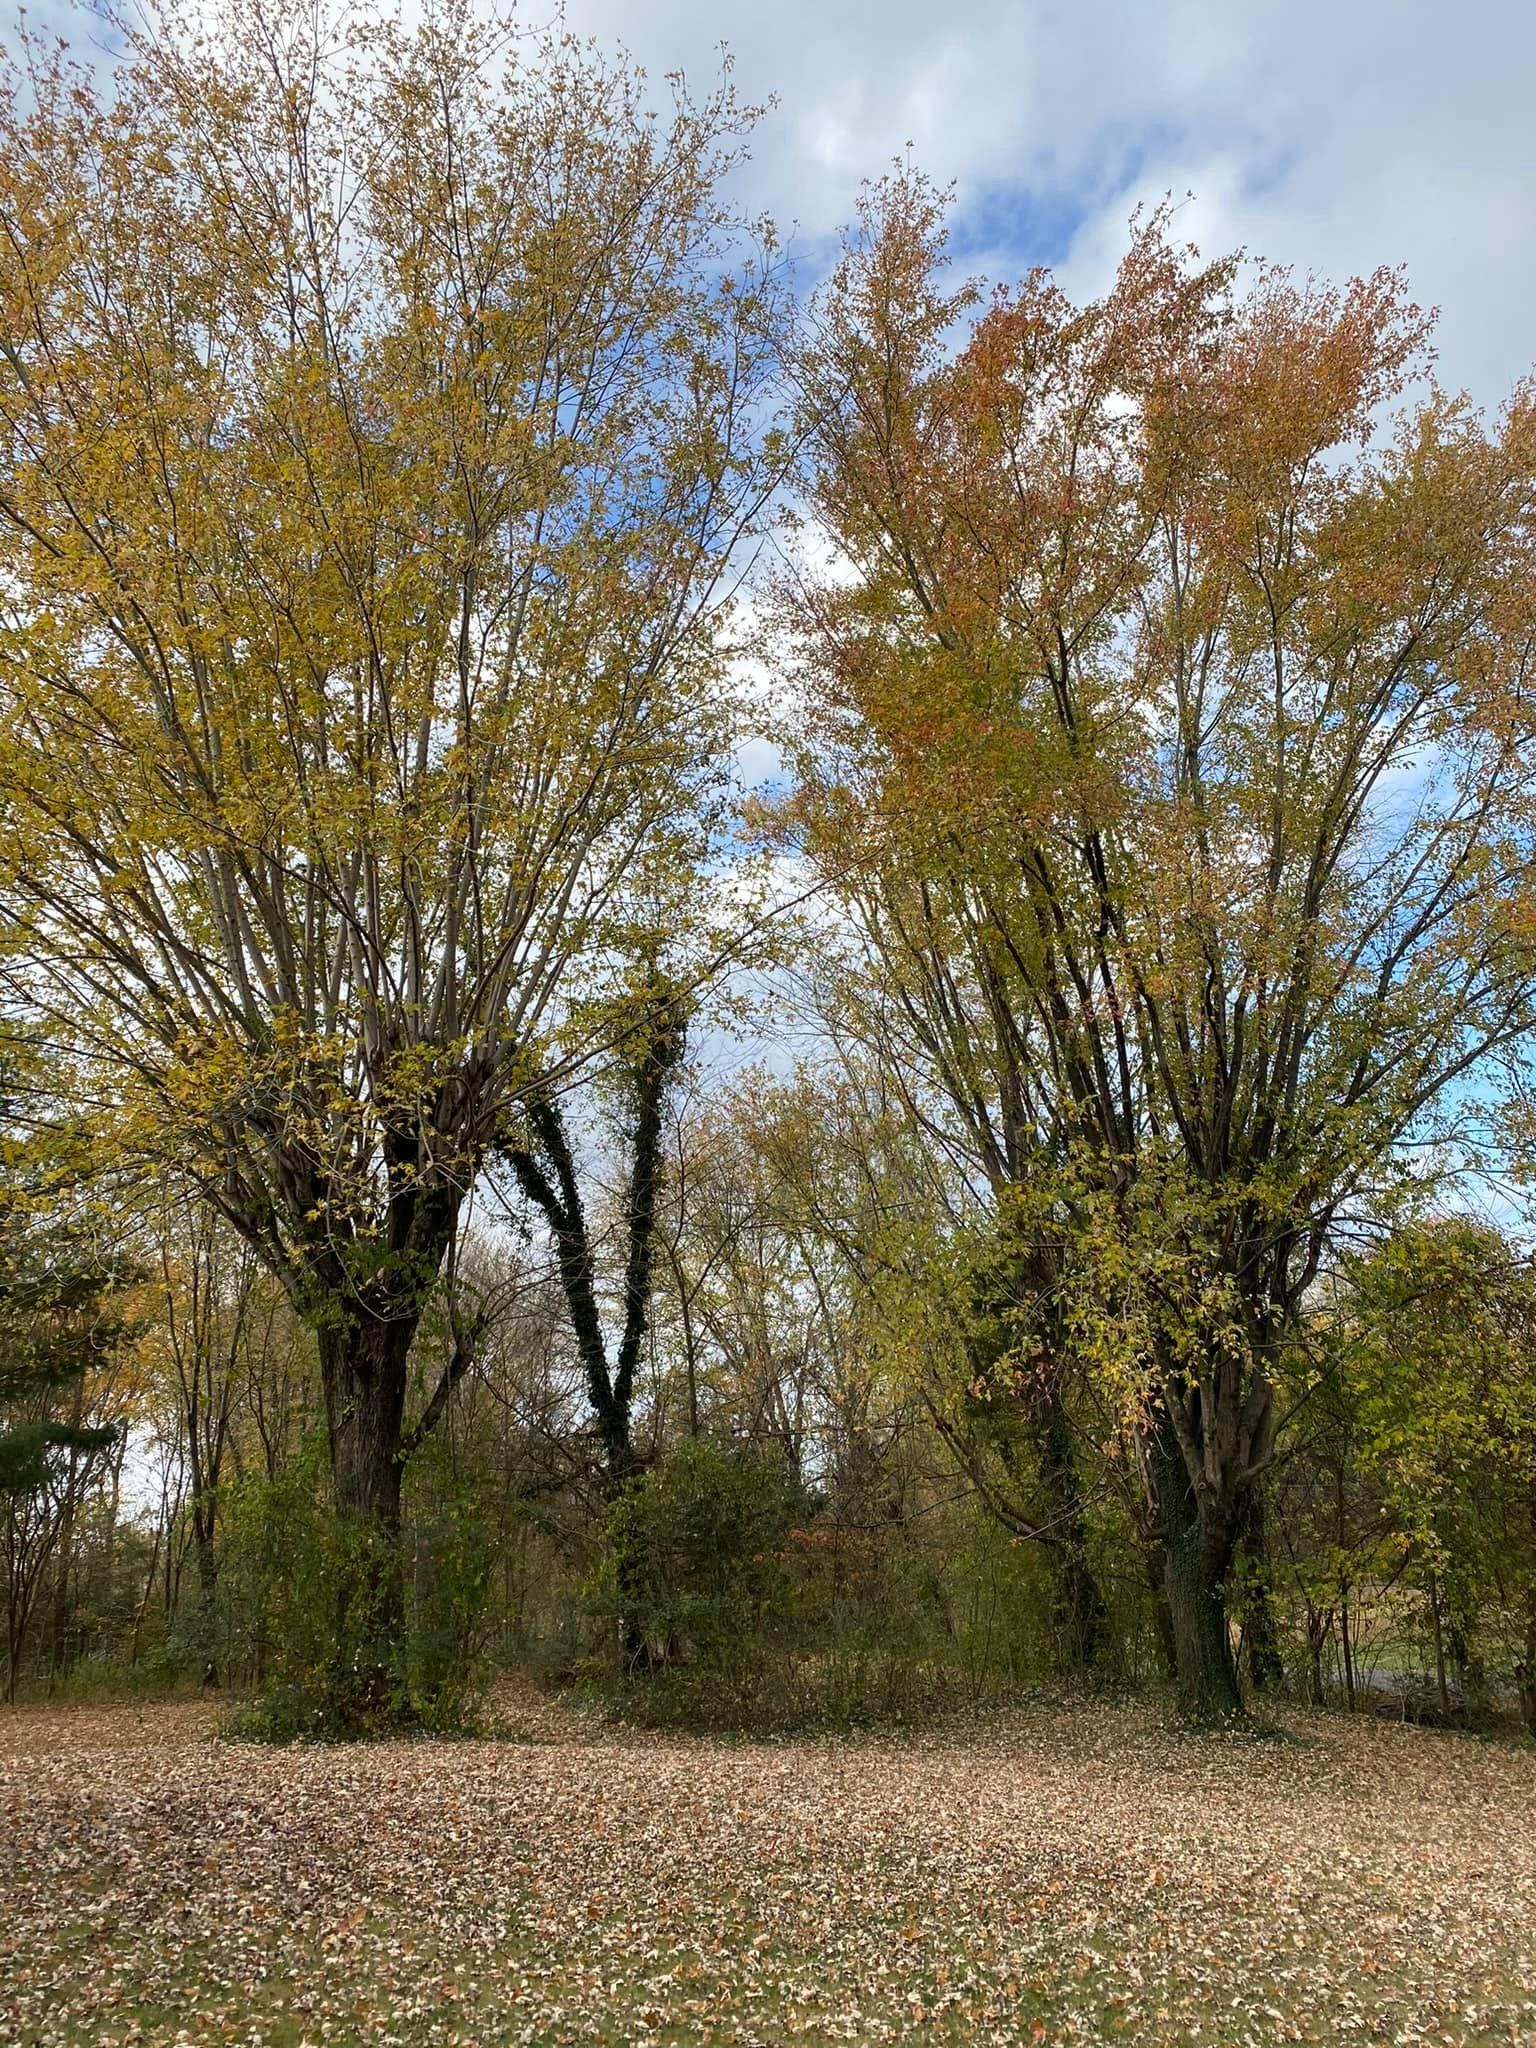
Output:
(1334, 135)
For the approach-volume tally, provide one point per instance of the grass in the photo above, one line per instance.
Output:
(1071, 1874)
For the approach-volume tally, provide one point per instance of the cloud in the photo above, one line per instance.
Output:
(1332, 134)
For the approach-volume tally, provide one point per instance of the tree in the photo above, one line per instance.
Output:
(1441, 1370)
(58, 1319)
(217, 1305)
(379, 416)
(63, 1323)
(544, 1165)
(1169, 742)
(61, 1327)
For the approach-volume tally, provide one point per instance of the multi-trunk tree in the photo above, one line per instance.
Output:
(380, 419)
(1171, 746)
(543, 1160)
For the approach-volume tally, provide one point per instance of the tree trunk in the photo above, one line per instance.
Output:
(1346, 1648)
(1156, 1558)
(363, 1372)
(1318, 1624)
(1266, 1667)
(1200, 1540)
(1207, 1680)
(364, 1376)
(1471, 1671)
(1082, 1625)
(547, 1176)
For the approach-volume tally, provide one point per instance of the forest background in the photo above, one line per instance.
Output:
(484, 644)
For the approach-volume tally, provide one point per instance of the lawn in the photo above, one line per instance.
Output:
(1058, 1874)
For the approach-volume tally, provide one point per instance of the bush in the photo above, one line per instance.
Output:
(691, 1566)
(451, 1557)
(301, 1612)
(741, 1601)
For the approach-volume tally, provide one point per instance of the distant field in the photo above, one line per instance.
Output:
(1069, 1876)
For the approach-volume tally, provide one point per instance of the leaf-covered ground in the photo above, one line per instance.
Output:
(1066, 1875)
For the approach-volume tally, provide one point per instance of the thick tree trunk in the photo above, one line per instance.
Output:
(1206, 1678)
(363, 1370)
(1200, 1540)
(1082, 1624)
(364, 1376)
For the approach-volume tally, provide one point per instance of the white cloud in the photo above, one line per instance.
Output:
(1332, 134)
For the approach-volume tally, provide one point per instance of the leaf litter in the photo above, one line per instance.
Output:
(1063, 1874)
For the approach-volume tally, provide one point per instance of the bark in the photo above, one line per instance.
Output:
(364, 1339)
(1199, 1536)
(1266, 1667)
(548, 1179)
(1082, 1624)
(546, 1174)
(363, 1368)
(1156, 1559)
(1319, 1621)
(1207, 1680)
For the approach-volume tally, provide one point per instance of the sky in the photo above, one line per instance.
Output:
(1332, 135)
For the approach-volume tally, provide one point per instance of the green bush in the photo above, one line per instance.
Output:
(739, 1600)
(691, 1566)
(303, 1611)
(449, 1624)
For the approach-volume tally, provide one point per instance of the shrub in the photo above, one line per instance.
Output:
(299, 1612)
(691, 1566)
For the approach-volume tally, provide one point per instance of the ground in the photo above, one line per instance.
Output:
(1056, 1875)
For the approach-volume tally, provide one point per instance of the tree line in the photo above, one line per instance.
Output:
(407, 457)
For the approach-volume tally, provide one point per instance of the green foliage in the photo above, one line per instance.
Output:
(692, 1562)
(1442, 1380)
(451, 1555)
(60, 1318)
(302, 1612)
(25, 1449)
(744, 1601)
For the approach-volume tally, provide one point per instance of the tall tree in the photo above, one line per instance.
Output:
(379, 416)
(543, 1162)
(210, 1289)
(1170, 742)
(1439, 1366)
